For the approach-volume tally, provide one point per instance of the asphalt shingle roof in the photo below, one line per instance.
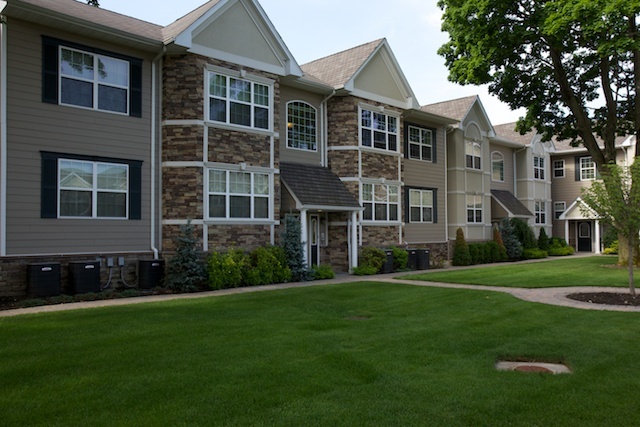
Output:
(455, 108)
(509, 201)
(316, 186)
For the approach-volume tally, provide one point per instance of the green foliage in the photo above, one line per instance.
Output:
(559, 247)
(229, 269)
(365, 270)
(461, 254)
(543, 240)
(400, 258)
(185, 271)
(502, 250)
(534, 253)
(511, 243)
(371, 260)
(524, 233)
(475, 251)
(294, 249)
(492, 252)
(321, 272)
(609, 236)
(612, 249)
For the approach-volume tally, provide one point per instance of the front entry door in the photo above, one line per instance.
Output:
(314, 239)
(584, 237)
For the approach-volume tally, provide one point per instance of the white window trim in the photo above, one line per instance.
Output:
(540, 212)
(373, 202)
(379, 110)
(557, 212)
(493, 160)
(239, 75)
(421, 221)
(233, 220)
(539, 168)
(563, 169)
(94, 191)
(474, 209)
(95, 81)
(420, 144)
(475, 159)
(585, 169)
(315, 110)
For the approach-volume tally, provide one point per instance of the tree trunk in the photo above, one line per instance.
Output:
(623, 252)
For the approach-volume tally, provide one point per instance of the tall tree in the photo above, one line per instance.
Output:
(571, 63)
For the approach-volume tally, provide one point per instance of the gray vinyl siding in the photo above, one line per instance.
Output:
(421, 174)
(507, 153)
(293, 155)
(34, 126)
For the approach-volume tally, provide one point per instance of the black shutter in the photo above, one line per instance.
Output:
(135, 190)
(49, 70)
(577, 168)
(435, 206)
(135, 97)
(407, 214)
(49, 186)
(434, 147)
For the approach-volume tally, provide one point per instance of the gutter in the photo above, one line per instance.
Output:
(3, 132)
(154, 112)
(324, 156)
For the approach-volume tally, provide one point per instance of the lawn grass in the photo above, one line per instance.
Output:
(555, 272)
(335, 355)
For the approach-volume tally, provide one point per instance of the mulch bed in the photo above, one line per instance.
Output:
(611, 298)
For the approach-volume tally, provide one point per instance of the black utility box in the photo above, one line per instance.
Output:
(84, 276)
(43, 279)
(412, 261)
(422, 259)
(387, 267)
(150, 273)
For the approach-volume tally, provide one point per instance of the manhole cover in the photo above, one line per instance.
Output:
(542, 367)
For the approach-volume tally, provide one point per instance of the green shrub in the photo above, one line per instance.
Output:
(534, 253)
(400, 258)
(60, 299)
(475, 251)
(185, 271)
(461, 255)
(266, 267)
(524, 233)
(229, 269)
(321, 272)
(609, 236)
(560, 250)
(612, 249)
(365, 270)
(294, 249)
(543, 240)
(502, 250)
(511, 243)
(493, 252)
(371, 259)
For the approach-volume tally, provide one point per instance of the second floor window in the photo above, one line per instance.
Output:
(587, 171)
(558, 168)
(381, 202)
(473, 155)
(379, 130)
(301, 126)
(239, 101)
(558, 209)
(420, 143)
(497, 166)
(540, 212)
(538, 168)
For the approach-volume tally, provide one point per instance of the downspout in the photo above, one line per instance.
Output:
(447, 129)
(3, 133)
(324, 155)
(154, 90)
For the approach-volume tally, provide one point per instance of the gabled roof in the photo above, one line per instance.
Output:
(360, 71)
(508, 201)
(454, 108)
(316, 187)
(565, 144)
(508, 131)
(578, 210)
(171, 31)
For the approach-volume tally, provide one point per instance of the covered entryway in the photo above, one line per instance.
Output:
(584, 236)
(581, 227)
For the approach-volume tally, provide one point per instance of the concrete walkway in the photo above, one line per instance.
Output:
(552, 296)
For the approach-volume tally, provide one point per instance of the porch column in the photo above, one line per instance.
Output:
(566, 231)
(304, 233)
(354, 239)
(597, 236)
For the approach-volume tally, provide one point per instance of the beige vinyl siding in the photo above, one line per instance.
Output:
(421, 174)
(507, 153)
(34, 126)
(294, 155)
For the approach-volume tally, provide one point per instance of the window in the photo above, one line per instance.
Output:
(558, 168)
(81, 76)
(301, 126)
(379, 130)
(587, 169)
(420, 143)
(558, 209)
(90, 187)
(497, 166)
(474, 208)
(473, 154)
(540, 212)
(421, 206)
(238, 101)
(380, 202)
(239, 195)
(538, 168)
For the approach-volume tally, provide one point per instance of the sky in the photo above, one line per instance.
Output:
(313, 29)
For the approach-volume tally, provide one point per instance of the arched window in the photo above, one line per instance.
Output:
(301, 126)
(497, 166)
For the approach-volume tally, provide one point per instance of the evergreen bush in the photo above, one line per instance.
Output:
(502, 250)
(492, 252)
(475, 251)
(321, 272)
(400, 258)
(511, 243)
(524, 233)
(461, 255)
(294, 249)
(543, 240)
(534, 253)
(186, 272)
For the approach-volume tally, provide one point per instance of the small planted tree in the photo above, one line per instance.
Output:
(294, 249)
(524, 233)
(502, 250)
(461, 255)
(186, 271)
(543, 240)
(511, 242)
